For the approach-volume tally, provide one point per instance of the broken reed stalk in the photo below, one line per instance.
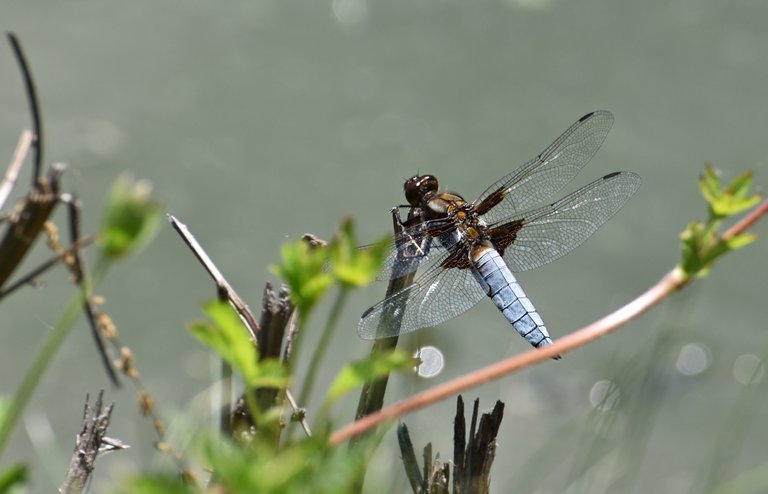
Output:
(276, 317)
(372, 395)
(91, 440)
(25, 226)
(472, 456)
(12, 173)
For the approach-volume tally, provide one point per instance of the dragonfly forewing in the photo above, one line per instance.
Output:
(551, 170)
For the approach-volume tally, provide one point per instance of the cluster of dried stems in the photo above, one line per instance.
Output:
(29, 220)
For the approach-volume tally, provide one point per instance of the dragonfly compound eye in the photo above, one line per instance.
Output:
(418, 187)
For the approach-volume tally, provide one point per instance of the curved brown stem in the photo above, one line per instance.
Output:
(671, 282)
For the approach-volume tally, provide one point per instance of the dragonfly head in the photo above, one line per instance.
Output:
(418, 187)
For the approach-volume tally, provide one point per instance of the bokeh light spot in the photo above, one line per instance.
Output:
(604, 395)
(693, 359)
(432, 361)
(748, 369)
(350, 12)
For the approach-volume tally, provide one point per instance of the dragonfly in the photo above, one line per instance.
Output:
(455, 253)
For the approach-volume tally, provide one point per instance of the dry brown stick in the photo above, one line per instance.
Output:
(673, 281)
(472, 456)
(81, 278)
(25, 225)
(91, 441)
(408, 457)
(281, 315)
(34, 105)
(59, 257)
(276, 314)
(372, 395)
(12, 173)
(222, 284)
(474, 474)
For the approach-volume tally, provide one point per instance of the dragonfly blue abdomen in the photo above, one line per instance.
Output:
(507, 294)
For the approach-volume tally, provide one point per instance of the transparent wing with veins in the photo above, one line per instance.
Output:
(535, 238)
(552, 231)
(526, 239)
(413, 247)
(525, 187)
(551, 170)
(437, 295)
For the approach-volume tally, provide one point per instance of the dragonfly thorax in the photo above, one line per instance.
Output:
(470, 225)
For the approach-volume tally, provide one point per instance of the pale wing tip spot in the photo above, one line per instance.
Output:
(370, 327)
(371, 330)
(366, 330)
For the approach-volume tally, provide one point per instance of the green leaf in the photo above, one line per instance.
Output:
(131, 217)
(690, 243)
(309, 271)
(739, 186)
(227, 336)
(709, 184)
(701, 247)
(701, 244)
(728, 201)
(271, 374)
(12, 478)
(378, 365)
(302, 270)
(305, 466)
(353, 266)
(5, 404)
(739, 241)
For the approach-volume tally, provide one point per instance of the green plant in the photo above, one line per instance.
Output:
(130, 219)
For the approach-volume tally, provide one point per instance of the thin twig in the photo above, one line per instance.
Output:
(34, 105)
(221, 283)
(82, 279)
(299, 413)
(59, 257)
(12, 173)
(673, 281)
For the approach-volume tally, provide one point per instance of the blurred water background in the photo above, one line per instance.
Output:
(257, 121)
